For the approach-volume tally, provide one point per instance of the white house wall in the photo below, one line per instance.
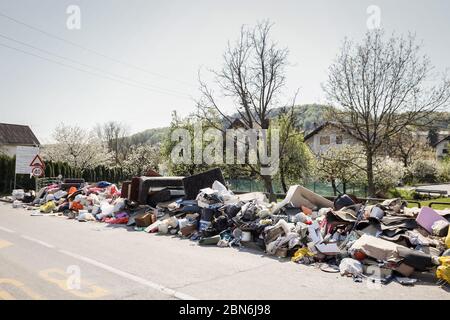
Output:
(440, 147)
(9, 150)
(317, 148)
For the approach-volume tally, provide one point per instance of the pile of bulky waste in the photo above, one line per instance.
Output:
(378, 242)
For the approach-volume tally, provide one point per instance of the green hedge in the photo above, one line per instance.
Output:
(53, 169)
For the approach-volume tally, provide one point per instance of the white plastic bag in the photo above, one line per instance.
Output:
(351, 266)
(18, 194)
(107, 210)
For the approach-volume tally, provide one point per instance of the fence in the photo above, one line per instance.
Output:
(53, 169)
(325, 189)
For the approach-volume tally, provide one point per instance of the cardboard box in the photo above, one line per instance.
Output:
(143, 220)
(188, 230)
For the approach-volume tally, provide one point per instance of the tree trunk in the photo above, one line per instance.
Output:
(283, 179)
(370, 182)
(405, 161)
(333, 184)
(344, 187)
(269, 188)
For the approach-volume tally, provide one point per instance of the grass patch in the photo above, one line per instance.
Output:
(426, 203)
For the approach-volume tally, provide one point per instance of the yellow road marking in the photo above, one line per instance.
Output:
(61, 280)
(4, 244)
(4, 295)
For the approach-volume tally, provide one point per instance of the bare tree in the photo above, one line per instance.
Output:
(253, 75)
(406, 146)
(113, 134)
(381, 86)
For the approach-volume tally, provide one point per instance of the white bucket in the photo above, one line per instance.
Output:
(182, 223)
(246, 236)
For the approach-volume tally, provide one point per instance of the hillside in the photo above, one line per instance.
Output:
(151, 136)
(309, 116)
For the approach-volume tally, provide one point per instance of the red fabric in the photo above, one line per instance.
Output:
(95, 190)
(117, 220)
(76, 206)
(72, 190)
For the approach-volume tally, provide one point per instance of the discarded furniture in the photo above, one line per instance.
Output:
(193, 184)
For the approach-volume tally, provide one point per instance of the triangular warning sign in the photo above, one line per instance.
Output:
(37, 162)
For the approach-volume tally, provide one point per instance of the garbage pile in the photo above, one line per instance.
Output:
(377, 242)
(77, 200)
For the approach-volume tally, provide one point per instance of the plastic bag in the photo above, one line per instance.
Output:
(351, 266)
(300, 254)
(224, 193)
(106, 209)
(18, 194)
(17, 204)
(48, 207)
(119, 205)
(60, 194)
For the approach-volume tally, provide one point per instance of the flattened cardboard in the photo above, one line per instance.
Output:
(300, 196)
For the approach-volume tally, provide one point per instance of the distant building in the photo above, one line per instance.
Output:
(240, 124)
(13, 135)
(423, 136)
(442, 147)
(328, 135)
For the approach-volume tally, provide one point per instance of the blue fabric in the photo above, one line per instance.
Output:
(103, 184)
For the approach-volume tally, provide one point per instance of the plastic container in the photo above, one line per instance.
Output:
(246, 236)
(182, 223)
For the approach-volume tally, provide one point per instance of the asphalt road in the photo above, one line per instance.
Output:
(44, 257)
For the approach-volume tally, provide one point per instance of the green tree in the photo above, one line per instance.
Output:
(295, 156)
(344, 164)
(168, 145)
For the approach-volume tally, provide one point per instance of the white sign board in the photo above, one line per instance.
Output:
(24, 156)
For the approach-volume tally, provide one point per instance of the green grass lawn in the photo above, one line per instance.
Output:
(436, 206)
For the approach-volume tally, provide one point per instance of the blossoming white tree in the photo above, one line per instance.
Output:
(141, 159)
(78, 147)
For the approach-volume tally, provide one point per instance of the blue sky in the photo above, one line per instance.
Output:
(167, 42)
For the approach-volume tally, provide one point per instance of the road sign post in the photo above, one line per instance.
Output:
(24, 155)
(37, 166)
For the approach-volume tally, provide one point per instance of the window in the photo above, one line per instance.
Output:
(324, 140)
(338, 139)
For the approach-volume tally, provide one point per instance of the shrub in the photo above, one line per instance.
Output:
(422, 170)
(388, 174)
(402, 193)
(443, 170)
